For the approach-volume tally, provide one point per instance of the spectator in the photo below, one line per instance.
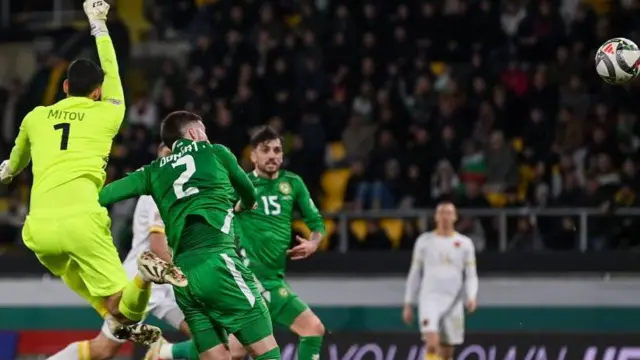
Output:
(414, 190)
(569, 132)
(352, 202)
(11, 220)
(376, 238)
(525, 238)
(501, 171)
(358, 138)
(409, 235)
(143, 112)
(444, 180)
(431, 101)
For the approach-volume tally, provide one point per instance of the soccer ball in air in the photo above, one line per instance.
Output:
(617, 61)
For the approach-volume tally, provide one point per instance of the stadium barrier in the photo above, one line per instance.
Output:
(344, 223)
(581, 217)
(478, 346)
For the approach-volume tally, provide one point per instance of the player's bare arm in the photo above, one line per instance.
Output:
(471, 279)
(158, 245)
(413, 283)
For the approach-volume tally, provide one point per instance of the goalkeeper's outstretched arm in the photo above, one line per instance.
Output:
(112, 91)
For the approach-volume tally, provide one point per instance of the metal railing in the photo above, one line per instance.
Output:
(582, 215)
(60, 13)
(343, 219)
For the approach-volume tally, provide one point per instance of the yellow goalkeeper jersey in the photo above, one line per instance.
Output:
(69, 144)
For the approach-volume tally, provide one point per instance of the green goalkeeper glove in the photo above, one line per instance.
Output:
(96, 11)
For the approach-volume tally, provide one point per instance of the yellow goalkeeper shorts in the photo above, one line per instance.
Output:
(79, 249)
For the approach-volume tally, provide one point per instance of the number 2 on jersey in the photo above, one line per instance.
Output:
(178, 185)
(66, 128)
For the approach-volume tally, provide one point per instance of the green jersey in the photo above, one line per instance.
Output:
(198, 179)
(265, 233)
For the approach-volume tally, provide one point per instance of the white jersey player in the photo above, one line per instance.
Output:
(148, 234)
(441, 281)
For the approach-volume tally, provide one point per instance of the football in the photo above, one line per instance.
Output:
(617, 60)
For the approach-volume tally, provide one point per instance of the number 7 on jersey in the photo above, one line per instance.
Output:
(64, 140)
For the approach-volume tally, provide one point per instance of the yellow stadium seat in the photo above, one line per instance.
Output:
(393, 229)
(497, 199)
(246, 153)
(334, 185)
(301, 227)
(132, 14)
(437, 67)
(4, 204)
(359, 229)
(201, 3)
(329, 225)
(337, 151)
(332, 203)
(330, 229)
(517, 144)
(525, 176)
(334, 182)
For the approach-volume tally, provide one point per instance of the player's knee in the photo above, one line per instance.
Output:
(308, 324)
(102, 348)
(316, 327)
(184, 328)
(446, 352)
(113, 306)
(219, 352)
(237, 350)
(432, 343)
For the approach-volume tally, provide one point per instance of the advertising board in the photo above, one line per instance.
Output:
(478, 346)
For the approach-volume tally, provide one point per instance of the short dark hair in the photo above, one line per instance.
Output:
(84, 76)
(171, 129)
(263, 134)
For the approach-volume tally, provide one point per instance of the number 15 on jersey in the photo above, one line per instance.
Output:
(271, 205)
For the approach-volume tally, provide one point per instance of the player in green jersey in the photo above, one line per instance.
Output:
(195, 189)
(265, 235)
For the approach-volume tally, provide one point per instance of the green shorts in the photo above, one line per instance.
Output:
(222, 297)
(284, 305)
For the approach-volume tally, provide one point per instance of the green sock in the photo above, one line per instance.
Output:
(309, 347)
(273, 354)
(184, 350)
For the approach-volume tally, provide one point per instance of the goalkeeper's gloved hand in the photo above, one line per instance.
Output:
(5, 172)
(96, 11)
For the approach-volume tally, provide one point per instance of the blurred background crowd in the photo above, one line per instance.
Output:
(383, 105)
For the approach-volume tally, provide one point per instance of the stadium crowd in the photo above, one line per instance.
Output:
(401, 104)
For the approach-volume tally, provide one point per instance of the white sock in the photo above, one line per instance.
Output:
(166, 352)
(71, 352)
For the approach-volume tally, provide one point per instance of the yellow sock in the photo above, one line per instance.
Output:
(135, 297)
(84, 350)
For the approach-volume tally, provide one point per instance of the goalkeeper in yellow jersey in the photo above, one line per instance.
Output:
(69, 143)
